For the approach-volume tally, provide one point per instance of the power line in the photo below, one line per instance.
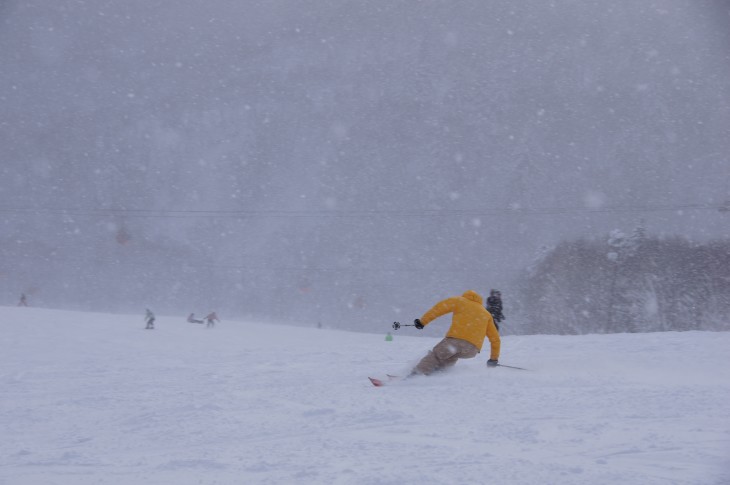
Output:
(352, 214)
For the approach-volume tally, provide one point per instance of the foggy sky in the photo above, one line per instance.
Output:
(345, 161)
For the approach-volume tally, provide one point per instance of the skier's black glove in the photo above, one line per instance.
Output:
(417, 323)
(492, 363)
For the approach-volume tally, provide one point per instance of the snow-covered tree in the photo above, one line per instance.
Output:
(629, 284)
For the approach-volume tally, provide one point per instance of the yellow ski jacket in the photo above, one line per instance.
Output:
(471, 321)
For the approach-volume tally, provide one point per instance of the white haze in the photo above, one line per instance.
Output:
(347, 162)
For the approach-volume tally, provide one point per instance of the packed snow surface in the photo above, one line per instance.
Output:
(94, 398)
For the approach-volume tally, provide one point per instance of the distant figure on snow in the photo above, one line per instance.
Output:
(150, 319)
(494, 306)
(210, 319)
(470, 323)
(192, 319)
(23, 300)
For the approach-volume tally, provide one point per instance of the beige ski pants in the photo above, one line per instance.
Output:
(445, 354)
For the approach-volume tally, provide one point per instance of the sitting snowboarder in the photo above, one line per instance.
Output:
(192, 319)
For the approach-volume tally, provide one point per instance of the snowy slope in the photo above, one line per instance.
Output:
(93, 398)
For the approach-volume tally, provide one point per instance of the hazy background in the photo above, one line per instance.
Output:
(345, 162)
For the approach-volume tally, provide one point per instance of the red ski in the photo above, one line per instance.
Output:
(381, 383)
(376, 382)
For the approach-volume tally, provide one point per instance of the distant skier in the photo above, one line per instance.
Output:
(494, 306)
(23, 300)
(210, 320)
(192, 319)
(469, 325)
(150, 319)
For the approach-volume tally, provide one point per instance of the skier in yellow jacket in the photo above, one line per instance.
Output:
(470, 323)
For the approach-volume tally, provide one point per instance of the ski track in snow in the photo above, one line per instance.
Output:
(94, 398)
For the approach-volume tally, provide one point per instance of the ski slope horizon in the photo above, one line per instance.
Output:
(94, 398)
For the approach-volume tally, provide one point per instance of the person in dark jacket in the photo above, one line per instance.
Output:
(149, 317)
(494, 306)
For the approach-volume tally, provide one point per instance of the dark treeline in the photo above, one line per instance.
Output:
(628, 283)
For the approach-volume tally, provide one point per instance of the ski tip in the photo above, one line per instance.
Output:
(376, 382)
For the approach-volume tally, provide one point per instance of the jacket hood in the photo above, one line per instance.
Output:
(473, 296)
